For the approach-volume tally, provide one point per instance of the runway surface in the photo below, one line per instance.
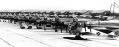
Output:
(12, 36)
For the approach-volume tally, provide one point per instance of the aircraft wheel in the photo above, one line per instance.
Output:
(22, 27)
(38, 27)
(98, 33)
(116, 32)
(29, 27)
(111, 36)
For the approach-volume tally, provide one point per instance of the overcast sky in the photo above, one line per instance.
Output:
(56, 4)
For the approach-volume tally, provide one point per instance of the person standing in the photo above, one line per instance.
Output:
(78, 30)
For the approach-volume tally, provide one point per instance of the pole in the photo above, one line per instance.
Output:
(113, 8)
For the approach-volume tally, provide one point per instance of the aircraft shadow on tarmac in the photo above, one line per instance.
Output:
(72, 38)
(88, 39)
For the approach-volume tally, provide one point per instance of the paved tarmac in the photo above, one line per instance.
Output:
(12, 36)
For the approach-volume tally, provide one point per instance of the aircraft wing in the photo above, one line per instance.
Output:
(106, 26)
